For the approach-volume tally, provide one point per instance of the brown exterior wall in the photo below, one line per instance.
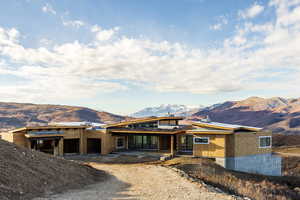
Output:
(215, 148)
(245, 143)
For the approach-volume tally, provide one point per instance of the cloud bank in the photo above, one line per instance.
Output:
(257, 56)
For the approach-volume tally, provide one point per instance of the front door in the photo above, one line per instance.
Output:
(186, 144)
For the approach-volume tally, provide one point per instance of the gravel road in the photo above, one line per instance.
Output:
(137, 181)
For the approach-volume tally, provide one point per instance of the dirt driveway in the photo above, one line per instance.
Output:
(138, 181)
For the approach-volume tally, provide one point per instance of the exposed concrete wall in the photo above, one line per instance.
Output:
(221, 161)
(266, 164)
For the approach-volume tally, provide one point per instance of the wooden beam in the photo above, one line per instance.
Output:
(172, 145)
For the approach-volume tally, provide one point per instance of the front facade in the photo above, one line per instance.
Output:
(234, 147)
(240, 148)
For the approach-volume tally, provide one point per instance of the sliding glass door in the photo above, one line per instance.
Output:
(143, 142)
(186, 143)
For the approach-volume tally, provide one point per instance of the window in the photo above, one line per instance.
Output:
(120, 142)
(201, 140)
(265, 141)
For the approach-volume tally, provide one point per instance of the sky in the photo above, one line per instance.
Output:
(123, 55)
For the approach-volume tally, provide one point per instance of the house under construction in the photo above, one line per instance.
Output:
(235, 147)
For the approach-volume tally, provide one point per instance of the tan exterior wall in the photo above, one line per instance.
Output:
(106, 140)
(7, 137)
(245, 143)
(168, 122)
(215, 148)
(20, 140)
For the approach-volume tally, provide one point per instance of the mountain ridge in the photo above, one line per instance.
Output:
(15, 115)
(281, 115)
(166, 109)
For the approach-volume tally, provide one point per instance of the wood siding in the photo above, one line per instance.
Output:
(215, 148)
(245, 143)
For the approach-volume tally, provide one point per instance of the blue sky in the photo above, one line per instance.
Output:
(123, 55)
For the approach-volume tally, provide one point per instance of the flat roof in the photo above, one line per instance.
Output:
(47, 127)
(83, 123)
(150, 119)
(209, 132)
(223, 126)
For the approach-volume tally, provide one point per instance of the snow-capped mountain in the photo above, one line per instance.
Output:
(165, 109)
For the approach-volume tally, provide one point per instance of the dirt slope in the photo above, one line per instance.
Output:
(14, 115)
(25, 174)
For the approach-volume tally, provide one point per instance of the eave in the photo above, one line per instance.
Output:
(143, 121)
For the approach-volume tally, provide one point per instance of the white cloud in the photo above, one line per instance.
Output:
(102, 34)
(222, 20)
(255, 57)
(47, 8)
(251, 12)
(73, 23)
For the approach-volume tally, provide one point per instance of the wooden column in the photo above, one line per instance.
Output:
(158, 143)
(172, 145)
(126, 140)
(61, 147)
(82, 142)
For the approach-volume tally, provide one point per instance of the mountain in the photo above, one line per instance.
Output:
(277, 114)
(165, 109)
(14, 115)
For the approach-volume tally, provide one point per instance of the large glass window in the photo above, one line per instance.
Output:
(186, 143)
(143, 142)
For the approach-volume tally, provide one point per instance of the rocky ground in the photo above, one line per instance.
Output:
(140, 181)
(25, 174)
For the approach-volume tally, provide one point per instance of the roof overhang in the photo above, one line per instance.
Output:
(213, 132)
(31, 128)
(143, 121)
(147, 132)
(219, 127)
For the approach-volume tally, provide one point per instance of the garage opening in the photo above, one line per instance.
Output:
(46, 145)
(71, 146)
(93, 146)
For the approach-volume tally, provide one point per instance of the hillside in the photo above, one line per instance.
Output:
(14, 115)
(26, 174)
(277, 114)
(166, 109)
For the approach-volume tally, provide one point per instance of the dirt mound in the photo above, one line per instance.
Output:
(25, 174)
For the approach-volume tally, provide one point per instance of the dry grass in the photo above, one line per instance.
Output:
(287, 150)
(279, 140)
(243, 184)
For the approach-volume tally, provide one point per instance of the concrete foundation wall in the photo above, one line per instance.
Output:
(266, 164)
